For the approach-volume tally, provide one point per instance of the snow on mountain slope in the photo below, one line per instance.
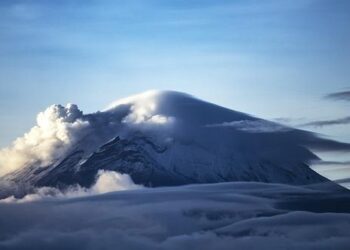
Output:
(160, 138)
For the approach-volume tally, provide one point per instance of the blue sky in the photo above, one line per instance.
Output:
(272, 58)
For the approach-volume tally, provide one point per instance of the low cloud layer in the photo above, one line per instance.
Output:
(216, 216)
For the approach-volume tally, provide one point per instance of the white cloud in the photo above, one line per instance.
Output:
(144, 108)
(106, 181)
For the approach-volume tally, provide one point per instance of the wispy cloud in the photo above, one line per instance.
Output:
(342, 96)
(336, 96)
(254, 126)
(289, 120)
(323, 123)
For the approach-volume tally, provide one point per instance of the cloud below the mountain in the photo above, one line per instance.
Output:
(106, 181)
(216, 216)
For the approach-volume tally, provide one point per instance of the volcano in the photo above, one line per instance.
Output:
(163, 138)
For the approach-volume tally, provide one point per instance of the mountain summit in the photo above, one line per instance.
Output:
(160, 138)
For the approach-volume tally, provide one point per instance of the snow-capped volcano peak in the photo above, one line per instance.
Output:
(160, 138)
(146, 106)
(177, 105)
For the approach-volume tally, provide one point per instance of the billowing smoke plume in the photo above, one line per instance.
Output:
(57, 129)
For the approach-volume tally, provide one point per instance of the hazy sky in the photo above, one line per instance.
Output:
(271, 58)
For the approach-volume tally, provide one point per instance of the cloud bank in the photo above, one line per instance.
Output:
(216, 216)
